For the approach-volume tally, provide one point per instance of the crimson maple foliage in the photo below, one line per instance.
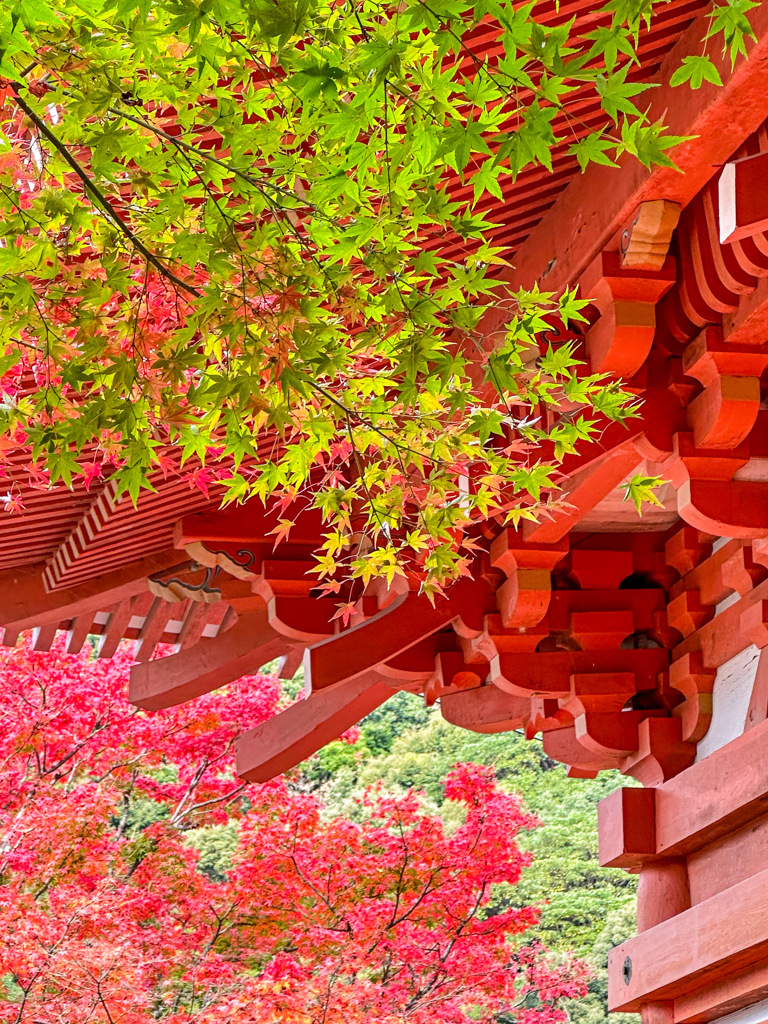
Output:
(106, 917)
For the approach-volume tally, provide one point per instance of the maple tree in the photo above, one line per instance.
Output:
(221, 228)
(105, 915)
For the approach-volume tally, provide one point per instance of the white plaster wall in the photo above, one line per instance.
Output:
(730, 700)
(727, 602)
(719, 542)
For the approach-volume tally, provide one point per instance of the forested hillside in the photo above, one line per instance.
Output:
(585, 908)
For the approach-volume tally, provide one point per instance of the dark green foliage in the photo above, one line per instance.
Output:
(620, 924)
(215, 844)
(403, 714)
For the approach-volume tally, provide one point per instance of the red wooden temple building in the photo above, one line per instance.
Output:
(637, 643)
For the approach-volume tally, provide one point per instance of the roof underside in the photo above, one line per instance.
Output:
(85, 533)
(597, 629)
(537, 188)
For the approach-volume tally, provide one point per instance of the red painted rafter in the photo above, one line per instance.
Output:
(596, 205)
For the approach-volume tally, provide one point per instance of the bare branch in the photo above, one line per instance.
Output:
(99, 196)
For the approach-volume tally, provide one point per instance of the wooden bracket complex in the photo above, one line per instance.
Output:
(626, 298)
(606, 644)
(645, 242)
(724, 413)
(570, 639)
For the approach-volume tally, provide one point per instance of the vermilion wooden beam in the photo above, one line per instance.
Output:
(723, 415)
(399, 626)
(486, 709)
(724, 994)
(627, 827)
(723, 507)
(716, 574)
(115, 627)
(713, 798)
(596, 205)
(30, 605)
(552, 673)
(583, 491)
(249, 523)
(302, 729)
(621, 338)
(722, 936)
(725, 636)
(619, 452)
(152, 629)
(385, 635)
(748, 324)
(524, 598)
(77, 633)
(211, 663)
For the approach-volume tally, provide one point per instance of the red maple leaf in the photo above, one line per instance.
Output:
(345, 612)
(91, 472)
(200, 479)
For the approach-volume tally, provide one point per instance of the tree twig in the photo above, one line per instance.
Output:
(99, 196)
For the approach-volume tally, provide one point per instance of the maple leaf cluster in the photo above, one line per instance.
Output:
(274, 237)
(107, 917)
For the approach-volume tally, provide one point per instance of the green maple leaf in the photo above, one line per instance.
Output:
(593, 149)
(649, 143)
(461, 142)
(615, 93)
(730, 21)
(641, 490)
(608, 42)
(696, 70)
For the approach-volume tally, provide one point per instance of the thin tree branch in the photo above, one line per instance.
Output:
(99, 196)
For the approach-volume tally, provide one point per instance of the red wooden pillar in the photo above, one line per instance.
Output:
(662, 891)
(700, 845)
